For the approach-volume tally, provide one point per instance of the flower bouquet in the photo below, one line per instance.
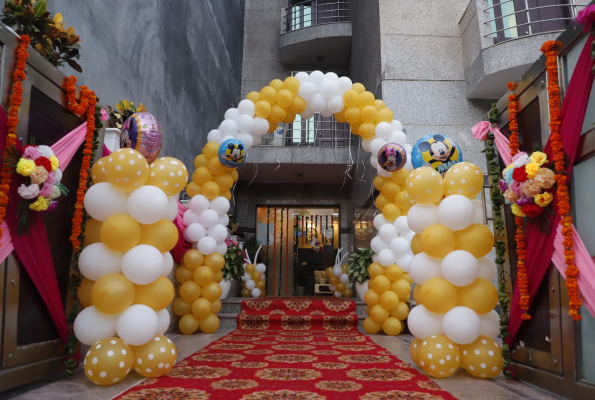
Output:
(42, 167)
(317, 246)
(528, 186)
(234, 261)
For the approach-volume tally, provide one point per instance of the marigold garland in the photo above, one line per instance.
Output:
(16, 97)
(521, 243)
(563, 203)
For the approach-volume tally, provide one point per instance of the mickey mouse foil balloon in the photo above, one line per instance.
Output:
(436, 151)
(142, 132)
(232, 153)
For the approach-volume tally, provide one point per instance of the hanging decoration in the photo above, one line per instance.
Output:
(287, 254)
(281, 252)
(274, 248)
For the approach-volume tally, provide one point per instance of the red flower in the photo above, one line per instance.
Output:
(532, 210)
(586, 17)
(519, 174)
(45, 163)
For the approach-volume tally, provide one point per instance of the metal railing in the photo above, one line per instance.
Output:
(303, 14)
(511, 19)
(317, 131)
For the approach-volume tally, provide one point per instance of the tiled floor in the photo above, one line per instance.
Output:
(461, 385)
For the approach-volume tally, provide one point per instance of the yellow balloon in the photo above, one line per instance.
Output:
(376, 269)
(120, 232)
(184, 274)
(163, 235)
(463, 178)
(193, 259)
(417, 295)
(217, 276)
(277, 113)
(438, 295)
(401, 311)
(414, 350)
(390, 190)
(402, 288)
(190, 291)
(202, 175)
(394, 272)
(211, 292)
(262, 109)
(358, 87)
(84, 292)
(372, 298)
(127, 169)
(384, 115)
(181, 307)
(298, 105)
(272, 125)
(226, 194)
(416, 244)
(347, 293)
(216, 306)
(200, 161)
(215, 167)
(224, 181)
(261, 285)
(482, 358)
(92, 231)
(365, 99)
(379, 104)
(250, 268)
(253, 97)
(108, 361)
(276, 84)
(209, 324)
(340, 116)
(371, 327)
(112, 294)
(381, 284)
(98, 171)
(233, 172)
(425, 185)
(367, 130)
(289, 117)
(268, 94)
(211, 150)
(193, 189)
(157, 295)
(284, 98)
(246, 293)
(155, 358)
(477, 239)
(355, 127)
(203, 275)
(400, 176)
(391, 212)
(378, 314)
(392, 326)
(169, 174)
(480, 296)
(368, 113)
(333, 280)
(210, 190)
(201, 308)
(352, 115)
(215, 261)
(389, 300)
(379, 182)
(437, 241)
(408, 278)
(439, 357)
(381, 201)
(188, 324)
(292, 84)
(256, 276)
(340, 286)
(350, 98)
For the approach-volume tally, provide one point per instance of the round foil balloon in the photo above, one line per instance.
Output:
(232, 153)
(436, 151)
(392, 157)
(142, 132)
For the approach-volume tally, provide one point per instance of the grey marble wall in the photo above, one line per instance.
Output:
(182, 59)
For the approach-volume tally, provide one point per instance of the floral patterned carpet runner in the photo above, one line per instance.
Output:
(292, 359)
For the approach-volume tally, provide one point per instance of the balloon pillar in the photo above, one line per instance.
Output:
(254, 279)
(454, 322)
(125, 264)
(338, 278)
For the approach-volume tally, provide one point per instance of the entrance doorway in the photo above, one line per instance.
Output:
(300, 243)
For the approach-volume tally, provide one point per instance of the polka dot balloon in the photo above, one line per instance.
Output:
(127, 169)
(98, 171)
(424, 185)
(482, 358)
(463, 178)
(108, 361)
(155, 358)
(168, 174)
(439, 357)
(414, 350)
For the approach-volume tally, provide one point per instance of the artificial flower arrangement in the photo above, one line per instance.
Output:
(42, 167)
(234, 261)
(317, 246)
(528, 185)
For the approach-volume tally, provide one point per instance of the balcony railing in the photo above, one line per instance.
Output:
(302, 14)
(511, 19)
(317, 131)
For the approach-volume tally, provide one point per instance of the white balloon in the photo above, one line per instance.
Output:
(383, 130)
(460, 268)
(456, 212)
(461, 325)
(420, 216)
(261, 126)
(326, 112)
(308, 113)
(223, 220)
(221, 248)
(376, 145)
(423, 324)
(246, 277)
(218, 232)
(303, 77)
(489, 324)
(96, 260)
(335, 104)
(478, 217)
(142, 264)
(256, 139)
(195, 232)
(215, 136)
(408, 165)
(307, 91)
(397, 126)
(331, 76)
(163, 320)
(366, 145)
(380, 171)
(377, 244)
(487, 269)
(246, 107)
(397, 137)
(344, 278)
(345, 84)
(245, 123)
(316, 78)
(374, 162)
(228, 128)
(408, 148)
(329, 89)
(386, 258)
(190, 217)
(379, 220)
(260, 268)
(209, 218)
(103, 200)
(423, 267)
(137, 324)
(207, 245)
(255, 292)
(337, 271)
(250, 284)
(318, 103)
(338, 295)
(91, 325)
(404, 262)
(399, 246)
(387, 232)
(172, 208)
(226, 138)
(199, 203)
(332, 288)
(231, 114)
(246, 139)
(375, 257)
(401, 225)
(168, 264)
(147, 204)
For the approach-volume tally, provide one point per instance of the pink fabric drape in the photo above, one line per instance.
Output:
(182, 246)
(540, 247)
(480, 132)
(106, 151)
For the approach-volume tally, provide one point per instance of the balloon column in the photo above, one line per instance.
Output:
(454, 322)
(125, 265)
(254, 279)
(338, 278)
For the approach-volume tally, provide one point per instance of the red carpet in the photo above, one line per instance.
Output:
(292, 359)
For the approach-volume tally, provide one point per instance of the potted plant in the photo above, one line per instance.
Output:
(357, 269)
(116, 118)
(232, 270)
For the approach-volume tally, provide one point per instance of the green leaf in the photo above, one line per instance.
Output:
(40, 8)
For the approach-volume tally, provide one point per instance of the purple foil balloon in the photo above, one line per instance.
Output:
(142, 132)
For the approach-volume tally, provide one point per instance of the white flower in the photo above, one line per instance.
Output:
(29, 192)
(522, 160)
(58, 173)
(55, 192)
(45, 151)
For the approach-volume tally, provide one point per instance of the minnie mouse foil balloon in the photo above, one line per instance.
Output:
(392, 157)
(142, 132)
